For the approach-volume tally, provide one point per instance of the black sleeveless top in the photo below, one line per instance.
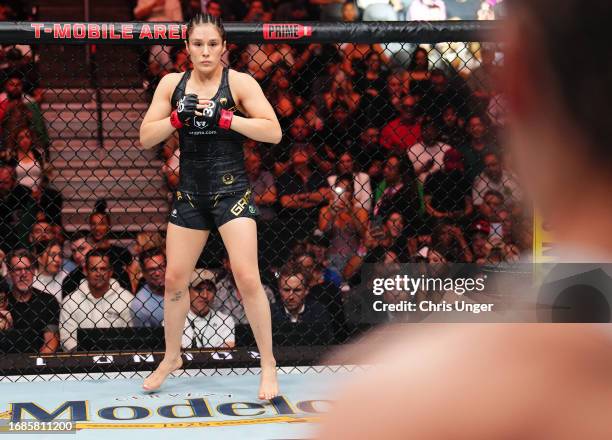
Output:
(211, 159)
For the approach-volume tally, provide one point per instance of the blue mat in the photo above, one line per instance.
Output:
(211, 407)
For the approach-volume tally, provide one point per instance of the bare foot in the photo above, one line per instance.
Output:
(268, 385)
(155, 379)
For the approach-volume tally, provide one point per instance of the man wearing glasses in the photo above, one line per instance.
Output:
(148, 304)
(99, 301)
(30, 308)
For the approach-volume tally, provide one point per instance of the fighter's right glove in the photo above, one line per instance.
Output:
(185, 111)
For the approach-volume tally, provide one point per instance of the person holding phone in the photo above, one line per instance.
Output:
(344, 221)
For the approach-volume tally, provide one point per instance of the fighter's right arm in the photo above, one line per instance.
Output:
(156, 126)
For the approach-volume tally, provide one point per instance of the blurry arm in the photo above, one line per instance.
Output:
(51, 342)
(326, 218)
(143, 9)
(431, 210)
(352, 266)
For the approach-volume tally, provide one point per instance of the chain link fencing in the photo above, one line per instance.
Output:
(391, 154)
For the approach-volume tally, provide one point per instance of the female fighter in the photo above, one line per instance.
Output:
(204, 104)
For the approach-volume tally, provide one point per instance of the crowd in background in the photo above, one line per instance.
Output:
(391, 154)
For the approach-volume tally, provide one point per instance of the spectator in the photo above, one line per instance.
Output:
(317, 245)
(371, 79)
(341, 90)
(264, 188)
(329, 10)
(377, 10)
(148, 305)
(42, 230)
(403, 132)
(322, 290)
(49, 201)
(76, 276)
(427, 10)
(145, 240)
(292, 10)
(397, 87)
(100, 224)
(362, 189)
(300, 136)
(49, 274)
(80, 244)
(397, 192)
(419, 71)
(492, 204)
(180, 60)
(344, 221)
(17, 210)
(481, 79)
(228, 299)
(19, 60)
(451, 128)
(99, 302)
(481, 246)
(256, 12)
(338, 134)
(494, 178)
(441, 94)
(350, 13)
(212, 7)
(479, 143)
(427, 156)
(390, 240)
(447, 191)
(312, 117)
(282, 98)
(486, 11)
(369, 154)
(371, 84)
(206, 327)
(6, 319)
(29, 307)
(263, 58)
(420, 238)
(449, 241)
(19, 111)
(156, 11)
(293, 287)
(28, 159)
(301, 190)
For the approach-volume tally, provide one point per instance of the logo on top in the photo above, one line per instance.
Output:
(199, 123)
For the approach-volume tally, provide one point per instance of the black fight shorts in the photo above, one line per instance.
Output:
(210, 212)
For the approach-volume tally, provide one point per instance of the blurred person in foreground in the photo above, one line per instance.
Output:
(534, 381)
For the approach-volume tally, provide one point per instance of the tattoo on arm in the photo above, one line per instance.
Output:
(177, 296)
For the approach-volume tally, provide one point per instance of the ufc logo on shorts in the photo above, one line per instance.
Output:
(240, 204)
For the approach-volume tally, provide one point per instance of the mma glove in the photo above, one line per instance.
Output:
(212, 114)
(215, 116)
(185, 111)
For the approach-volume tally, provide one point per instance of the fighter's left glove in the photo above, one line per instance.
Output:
(217, 116)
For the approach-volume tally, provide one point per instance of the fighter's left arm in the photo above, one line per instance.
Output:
(261, 124)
